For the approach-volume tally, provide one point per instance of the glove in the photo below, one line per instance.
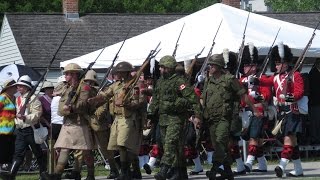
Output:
(200, 78)
(252, 80)
(256, 96)
(289, 98)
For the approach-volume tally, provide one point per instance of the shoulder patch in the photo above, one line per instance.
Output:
(86, 87)
(182, 86)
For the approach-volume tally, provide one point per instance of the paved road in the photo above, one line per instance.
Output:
(311, 171)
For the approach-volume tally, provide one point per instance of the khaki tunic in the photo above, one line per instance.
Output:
(126, 129)
(75, 132)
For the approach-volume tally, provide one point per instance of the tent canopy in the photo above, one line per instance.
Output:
(200, 28)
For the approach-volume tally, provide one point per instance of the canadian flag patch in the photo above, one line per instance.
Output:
(182, 86)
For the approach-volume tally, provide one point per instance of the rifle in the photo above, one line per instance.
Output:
(176, 47)
(76, 90)
(266, 60)
(128, 87)
(203, 69)
(43, 77)
(299, 61)
(104, 80)
(242, 47)
(190, 69)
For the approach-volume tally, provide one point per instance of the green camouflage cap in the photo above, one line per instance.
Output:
(168, 62)
(217, 59)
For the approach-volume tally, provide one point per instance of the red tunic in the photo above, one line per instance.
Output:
(279, 81)
(265, 91)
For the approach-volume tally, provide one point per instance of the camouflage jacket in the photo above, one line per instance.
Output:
(219, 96)
(174, 97)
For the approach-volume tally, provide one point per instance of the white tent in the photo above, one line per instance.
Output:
(200, 28)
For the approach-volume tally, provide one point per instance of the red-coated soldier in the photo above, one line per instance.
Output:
(260, 96)
(288, 90)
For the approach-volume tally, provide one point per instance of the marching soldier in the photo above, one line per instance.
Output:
(259, 96)
(172, 100)
(75, 132)
(126, 130)
(219, 93)
(288, 90)
(100, 122)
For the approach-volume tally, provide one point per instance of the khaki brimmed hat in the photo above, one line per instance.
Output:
(8, 83)
(46, 84)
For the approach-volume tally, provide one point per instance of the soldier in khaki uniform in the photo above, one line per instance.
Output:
(126, 130)
(75, 132)
(172, 100)
(219, 94)
(100, 122)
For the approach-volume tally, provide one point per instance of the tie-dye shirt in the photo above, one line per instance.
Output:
(7, 114)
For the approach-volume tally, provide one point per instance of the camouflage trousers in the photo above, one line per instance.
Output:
(219, 135)
(172, 140)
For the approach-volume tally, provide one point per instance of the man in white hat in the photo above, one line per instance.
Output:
(24, 120)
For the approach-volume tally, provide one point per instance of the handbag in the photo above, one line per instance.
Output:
(40, 134)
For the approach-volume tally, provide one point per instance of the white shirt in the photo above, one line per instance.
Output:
(55, 118)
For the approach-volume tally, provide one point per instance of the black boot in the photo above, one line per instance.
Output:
(226, 173)
(162, 174)
(125, 172)
(114, 173)
(213, 171)
(180, 174)
(73, 175)
(46, 176)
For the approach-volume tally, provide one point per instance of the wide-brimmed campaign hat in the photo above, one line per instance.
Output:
(8, 83)
(46, 84)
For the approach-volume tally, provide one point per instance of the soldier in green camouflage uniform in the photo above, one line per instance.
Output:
(219, 95)
(172, 100)
(220, 89)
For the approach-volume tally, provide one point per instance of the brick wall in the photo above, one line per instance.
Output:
(233, 3)
(70, 6)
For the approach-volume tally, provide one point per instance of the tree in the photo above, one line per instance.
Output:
(293, 5)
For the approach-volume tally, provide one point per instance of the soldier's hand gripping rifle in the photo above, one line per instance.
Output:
(42, 78)
(288, 79)
(203, 71)
(104, 80)
(176, 47)
(242, 48)
(132, 83)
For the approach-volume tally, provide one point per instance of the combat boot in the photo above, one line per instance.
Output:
(213, 171)
(162, 174)
(73, 175)
(47, 176)
(180, 174)
(114, 173)
(226, 173)
(125, 172)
